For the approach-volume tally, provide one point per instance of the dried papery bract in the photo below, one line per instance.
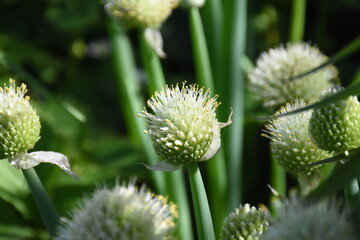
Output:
(183, 126)
(271, 80)
(245, 223)
(292, 147)
(124, 212)
(335, 126)
(20, 130)
(299, 221)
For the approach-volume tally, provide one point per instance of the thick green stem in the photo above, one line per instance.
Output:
(130, 97)
(278, 182)
(201, 206)
(175, 186)
(46, 208)
(216, 167)
(297, 20)
(233, 50)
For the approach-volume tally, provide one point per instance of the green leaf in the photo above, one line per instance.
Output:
(342, 175)
(349, 91)
(13, 188)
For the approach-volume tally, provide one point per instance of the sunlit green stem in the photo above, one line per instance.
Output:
(278, 182)
(233, 50)
(216, 167)
(175, 186)
(201, 206)
(130, 98)
(46, 208)
(297, 20)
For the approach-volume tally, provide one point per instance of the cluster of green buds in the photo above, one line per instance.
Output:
(124, 212)
(271, 80)
(300, 221)
(183, 126)
(245, 223)
(291, 145)
(20, 130)
(335, 126)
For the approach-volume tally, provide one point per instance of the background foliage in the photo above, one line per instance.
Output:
(61, 49)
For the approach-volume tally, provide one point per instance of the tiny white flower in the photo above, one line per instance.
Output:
(183, 126)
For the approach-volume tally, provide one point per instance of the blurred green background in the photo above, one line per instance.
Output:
(61, 49)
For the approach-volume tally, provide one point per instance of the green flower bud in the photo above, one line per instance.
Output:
(300, 221)
(140, 13)
(19, 123)
(292, 147)
(290, 143)
(335, 127)
(271, 79)
(124, 212)
(245, 223)
(184, 127)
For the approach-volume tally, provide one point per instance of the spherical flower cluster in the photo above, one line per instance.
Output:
(140, 13)
(183, 127)
(20, 130)
(299, 221)
(290, 143)
(19, 123)
(335, 126)
(124, 212)
(245, 223)
(271, 79)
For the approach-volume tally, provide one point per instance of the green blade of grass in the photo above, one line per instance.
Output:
(233, 50)
(346, 51)
(46, 208)
(297, 20)
(201, 206)
(349, 91)
(342, 175)
(130, 98)
(175, 185)
(216, 167)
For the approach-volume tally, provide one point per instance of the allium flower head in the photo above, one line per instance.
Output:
(271, 79)
(318, 221)
(245, 223)
(292, 147)
(140, 13)
(335, 127)
(290, 143)
(20, 129)
(183, 126)
(19, 123)
(124, 212)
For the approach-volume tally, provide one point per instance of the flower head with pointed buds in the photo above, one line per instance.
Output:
(245, 223)
(292, 147)
(183, 127)
(271, 78)
(20, 130)
(335, 126)
(300, 221)
(124, 212)
(140, 13)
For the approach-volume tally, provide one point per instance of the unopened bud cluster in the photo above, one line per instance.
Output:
(245, 223)
(19, 123)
